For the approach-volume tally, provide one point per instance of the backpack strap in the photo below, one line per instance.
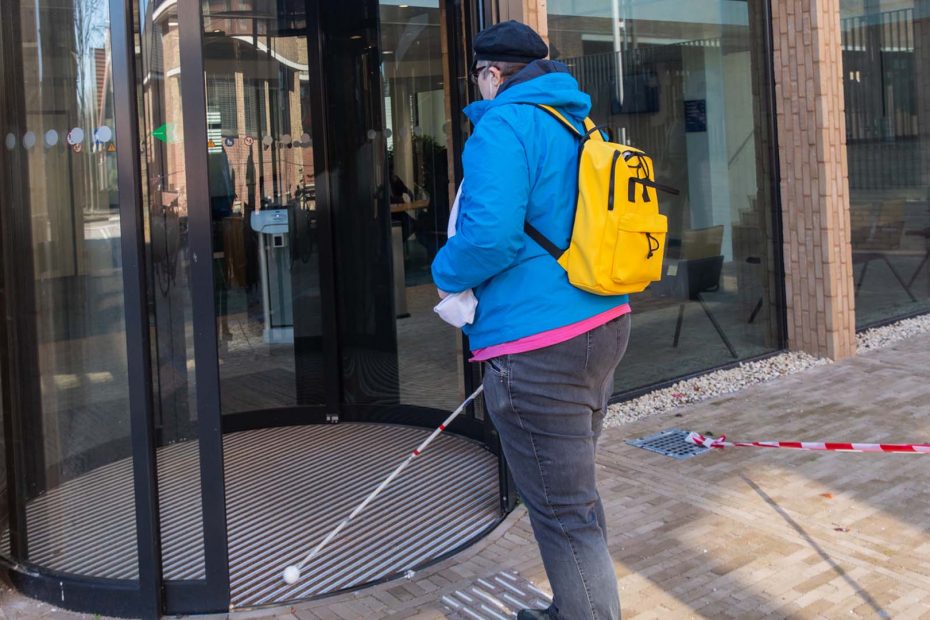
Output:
(558, 116)
(531, 231)
(534, 234)
(593, 130)
(590, 128)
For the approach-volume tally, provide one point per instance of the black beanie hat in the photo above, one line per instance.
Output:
(509, 41)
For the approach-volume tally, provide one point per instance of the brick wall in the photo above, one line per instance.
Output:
(814, 179)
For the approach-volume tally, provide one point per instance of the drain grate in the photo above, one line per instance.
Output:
(669, 443)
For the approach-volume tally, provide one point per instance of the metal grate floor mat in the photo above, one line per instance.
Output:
(286, 488)
(496, 598)
(309, 478)
(669, 443)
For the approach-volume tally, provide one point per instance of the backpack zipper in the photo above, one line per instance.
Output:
(613, 177)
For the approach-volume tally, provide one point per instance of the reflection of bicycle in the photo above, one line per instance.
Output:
(305, 193)
(302, 217)
(166, 243)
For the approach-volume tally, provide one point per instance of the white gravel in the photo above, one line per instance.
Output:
(712, 384)
(881, 337)
(735, 379)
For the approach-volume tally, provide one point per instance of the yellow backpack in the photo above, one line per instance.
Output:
(618, 239)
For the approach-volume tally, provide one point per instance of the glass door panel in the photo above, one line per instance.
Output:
(418, 140)
(386, 177)
(66, 371)
(266, 254)
(338, 232)
(165, 199)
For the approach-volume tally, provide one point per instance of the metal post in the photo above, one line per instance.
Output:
(212, 483)
(618, 51)
(138, 356)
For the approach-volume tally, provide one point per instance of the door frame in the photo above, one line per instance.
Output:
(213, 593)
(139, 362)
(151, 595)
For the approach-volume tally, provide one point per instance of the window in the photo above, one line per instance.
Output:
(61, 243)
(688, 87)
(886, 48)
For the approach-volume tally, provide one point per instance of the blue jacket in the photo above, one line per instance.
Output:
(519, 164)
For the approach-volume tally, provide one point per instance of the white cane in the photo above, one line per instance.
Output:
(292, 573)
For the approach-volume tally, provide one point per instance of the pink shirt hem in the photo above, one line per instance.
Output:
(550, 337)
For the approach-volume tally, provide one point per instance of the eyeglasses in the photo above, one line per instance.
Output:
(476, 73)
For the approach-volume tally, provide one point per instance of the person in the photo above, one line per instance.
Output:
(549, 349)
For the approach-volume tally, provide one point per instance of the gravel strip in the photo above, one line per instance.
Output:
(735, 379)
(881, 337)
(710, 385)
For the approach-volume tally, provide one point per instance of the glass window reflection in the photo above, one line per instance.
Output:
(263, 204)
(886, 48)
(688, 89)
(63, 287)
(415, 78)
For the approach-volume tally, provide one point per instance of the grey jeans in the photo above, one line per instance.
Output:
(548, 406)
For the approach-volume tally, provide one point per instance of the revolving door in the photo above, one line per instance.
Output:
(215, 274)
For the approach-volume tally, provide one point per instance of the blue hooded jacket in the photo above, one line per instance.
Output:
(520, 164)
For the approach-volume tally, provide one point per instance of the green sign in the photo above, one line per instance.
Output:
(165, 133)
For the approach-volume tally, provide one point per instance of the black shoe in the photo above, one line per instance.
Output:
(533, 614)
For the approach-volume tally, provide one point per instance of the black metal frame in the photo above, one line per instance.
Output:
(777, 222)
(889, 320)
(484, 13)
(215, 592)
(404, 415)
(112, 597)
(142, 431)
(471, 22)
(319, 118)
(13, 392)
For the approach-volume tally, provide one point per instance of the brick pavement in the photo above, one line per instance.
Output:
(744, 533)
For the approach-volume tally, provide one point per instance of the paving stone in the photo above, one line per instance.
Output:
(736, 533)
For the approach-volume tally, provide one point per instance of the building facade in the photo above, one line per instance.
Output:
(216, 226)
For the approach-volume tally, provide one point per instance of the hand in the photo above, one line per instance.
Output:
(442, 293)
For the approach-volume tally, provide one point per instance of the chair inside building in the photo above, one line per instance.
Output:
(877, 230)
(697, 272)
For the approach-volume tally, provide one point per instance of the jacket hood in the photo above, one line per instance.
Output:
(541, 82)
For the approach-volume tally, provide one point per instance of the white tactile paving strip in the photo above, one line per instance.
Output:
(495, 598)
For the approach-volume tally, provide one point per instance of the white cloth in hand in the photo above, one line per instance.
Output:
(457, 309)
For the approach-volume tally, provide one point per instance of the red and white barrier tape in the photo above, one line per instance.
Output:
(721, 442)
